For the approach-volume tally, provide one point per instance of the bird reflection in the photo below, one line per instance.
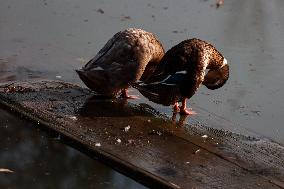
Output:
(182, 119)
(101, 106)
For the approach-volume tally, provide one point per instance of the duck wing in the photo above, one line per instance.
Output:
(114, 66)
(107, 47)
(117, 55)
(166, 91)
(159, 93)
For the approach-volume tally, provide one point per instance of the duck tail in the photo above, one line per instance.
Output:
(91, 82)
(79, 71)
(83, 76)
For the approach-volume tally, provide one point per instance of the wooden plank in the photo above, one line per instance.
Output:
(154, 151)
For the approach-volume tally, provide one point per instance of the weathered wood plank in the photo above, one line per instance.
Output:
(153, 151)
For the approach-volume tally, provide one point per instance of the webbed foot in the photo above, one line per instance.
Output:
(187, 111)
(124, 94)
(184, 110)
(176, 107)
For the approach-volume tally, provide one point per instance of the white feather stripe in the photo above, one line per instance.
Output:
(224, 62)
(98, 68)
(181, 72)
(158, 82)
(169, 84)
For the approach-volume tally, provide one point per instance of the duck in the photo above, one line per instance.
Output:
(130, 55)
(182, 70)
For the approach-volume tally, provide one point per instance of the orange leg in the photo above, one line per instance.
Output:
(124, 94)
(184, 110)
(176, 107)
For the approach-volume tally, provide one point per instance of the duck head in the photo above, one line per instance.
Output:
(216, 78)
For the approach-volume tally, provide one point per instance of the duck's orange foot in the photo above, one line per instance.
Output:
(126, 96)
(187, 112)
(130, 96)
(176, 107)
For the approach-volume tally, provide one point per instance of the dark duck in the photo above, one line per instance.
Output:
(181, 72)
(129, 56)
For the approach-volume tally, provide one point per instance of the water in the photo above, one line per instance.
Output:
(39, 159)
(50, 38)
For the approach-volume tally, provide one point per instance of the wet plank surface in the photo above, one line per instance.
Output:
(137, 141)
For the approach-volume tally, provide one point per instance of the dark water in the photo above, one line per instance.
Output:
(40, 160)
(49, 38)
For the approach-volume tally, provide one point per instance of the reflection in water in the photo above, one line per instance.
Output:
(181, 121)
(40, 160)
(98, 107)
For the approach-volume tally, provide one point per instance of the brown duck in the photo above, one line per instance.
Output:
(182, 70)
(129, 56)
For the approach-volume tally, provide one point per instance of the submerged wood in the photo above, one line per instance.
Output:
(152, 150)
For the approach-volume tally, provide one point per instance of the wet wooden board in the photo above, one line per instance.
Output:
(138, 142)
